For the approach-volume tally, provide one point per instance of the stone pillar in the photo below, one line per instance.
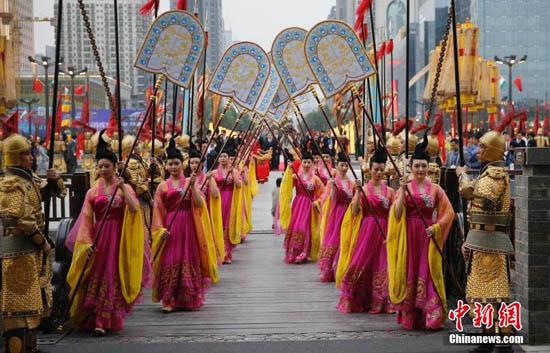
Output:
(531, 275)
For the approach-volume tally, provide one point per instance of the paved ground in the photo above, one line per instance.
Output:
(260, 305)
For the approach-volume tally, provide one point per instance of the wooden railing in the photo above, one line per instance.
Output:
(69, 207)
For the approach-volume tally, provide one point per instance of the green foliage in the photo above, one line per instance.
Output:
(317, 122)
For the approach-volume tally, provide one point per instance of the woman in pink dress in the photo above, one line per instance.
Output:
(301, 239)
(111, 280)
(363, 268)
(182, 265)
(415, 271)
(228, 181)
(340, 197)
(326, 161)
(212, 196)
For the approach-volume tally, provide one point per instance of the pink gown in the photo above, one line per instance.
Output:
(364, 286)
(328, 255)
(422, 307)
(179, 282)
(226, 193)
(103, 299)
(323, 173)
(297, 243)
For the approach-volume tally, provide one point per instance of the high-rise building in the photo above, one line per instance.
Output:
(332, 14)
(211, 10)
(25, 34)
(76, 49)
(227, 38)
(345, 10)
(517, 27)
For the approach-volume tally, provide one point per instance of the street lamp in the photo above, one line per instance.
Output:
(29, 103)
(510, 61)
(71, 71)
(45, 63)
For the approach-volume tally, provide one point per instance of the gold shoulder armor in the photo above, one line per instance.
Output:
(12, 196)
(496, 172)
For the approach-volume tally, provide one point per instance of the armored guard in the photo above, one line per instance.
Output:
(541, 139)
(26, 295)
(137, 175)
(394, 145)
(156, 164)
(488, 247)
(434, 166)
(59, 152)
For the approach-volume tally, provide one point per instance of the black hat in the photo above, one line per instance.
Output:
(288, 154)
(227, 149)
(306, 155)
(172, 151)
(193, 151)
(342, 157)
(325, 150)
(103, 150)
(380, 155)
(420, 149)
(315, 151)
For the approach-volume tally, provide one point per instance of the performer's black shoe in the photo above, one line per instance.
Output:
(483, 348)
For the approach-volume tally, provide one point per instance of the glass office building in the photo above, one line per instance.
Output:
(517, 27)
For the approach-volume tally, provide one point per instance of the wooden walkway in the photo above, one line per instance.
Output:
(258, 298)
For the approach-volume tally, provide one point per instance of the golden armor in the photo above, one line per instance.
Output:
(488, 240)
(58, 159)
(542, 141)
(26, 294)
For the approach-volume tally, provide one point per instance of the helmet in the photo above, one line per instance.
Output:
(412, 141)
(393, 145)
(494, 146)
(158, 146)
(127, 143)
(183, 141)
(433, 146)
(12, 147)
(494, 141)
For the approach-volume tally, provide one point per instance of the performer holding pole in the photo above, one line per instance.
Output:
(25, 246)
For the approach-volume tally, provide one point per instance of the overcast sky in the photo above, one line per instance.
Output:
(257, 21)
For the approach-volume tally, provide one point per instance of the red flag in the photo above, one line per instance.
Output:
(10, 125)
(492, 121)
(546, 123)
(113, 124)
(441, 144)
(181, 5)
(79, 90)
(360, 28)
(80, 145)
(518, 83)
(37, 86)
(381, 51)
(85, 114)
(389, 46)
(148, 7)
